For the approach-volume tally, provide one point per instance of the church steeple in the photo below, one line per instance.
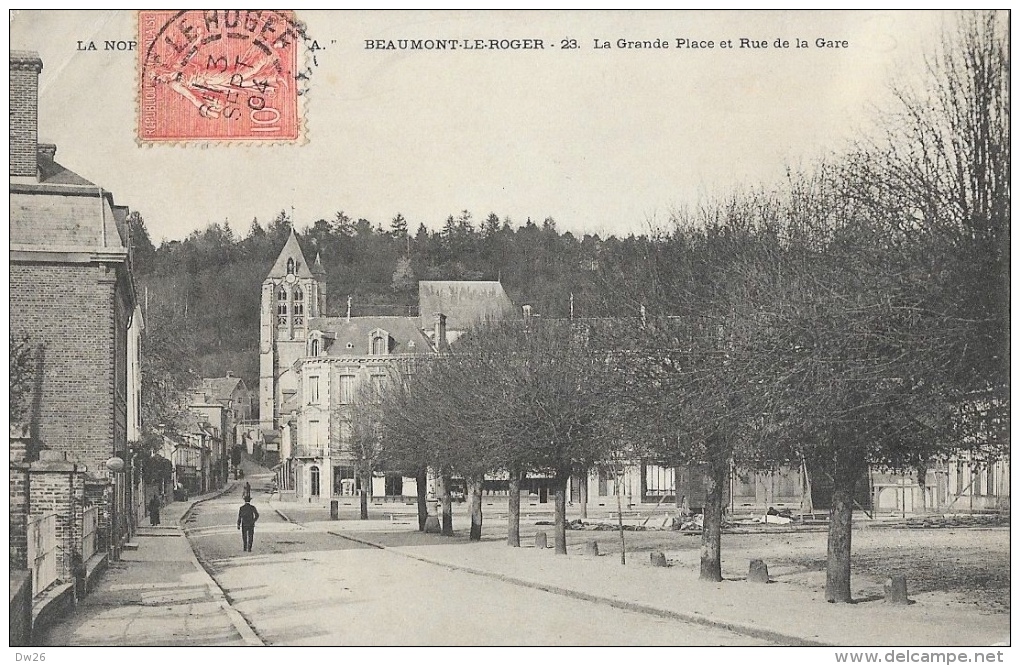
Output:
(291, 260)
(291, 297)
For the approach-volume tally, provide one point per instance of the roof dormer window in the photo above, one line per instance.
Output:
(379, 343)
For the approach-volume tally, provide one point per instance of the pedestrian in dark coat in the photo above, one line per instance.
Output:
(246, 517)
(153, 509)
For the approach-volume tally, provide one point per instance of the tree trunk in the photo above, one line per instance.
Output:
(560, 522)
(583, 491)
(422, 480)
(474, 484)
(711, 530)
(922, 481)
(678, 497)
(366, 485)
(513, 514)
(445, 503)
(837, 565)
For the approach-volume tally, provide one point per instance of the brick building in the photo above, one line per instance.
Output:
(72, 297)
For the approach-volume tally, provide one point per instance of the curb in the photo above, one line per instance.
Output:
(240, 622)
(692, 618)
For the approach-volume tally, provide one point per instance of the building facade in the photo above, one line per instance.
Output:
(318, 371)
(72, 297)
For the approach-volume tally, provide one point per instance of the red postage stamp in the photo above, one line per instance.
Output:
(218, 76)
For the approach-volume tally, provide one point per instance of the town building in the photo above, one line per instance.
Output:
(224, 404)
(72, 298)
(317, 371)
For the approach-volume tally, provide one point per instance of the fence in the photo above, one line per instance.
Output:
(90, 529)
(42, 551)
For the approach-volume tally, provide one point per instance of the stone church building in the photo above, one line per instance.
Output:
(316, 369)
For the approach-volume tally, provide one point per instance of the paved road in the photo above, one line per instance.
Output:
(300, 586)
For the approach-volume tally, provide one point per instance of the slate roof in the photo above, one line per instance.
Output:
(357, 333)
(292, 250)
(63, 210)
(47, 220)
(220, 388)
(464, 302)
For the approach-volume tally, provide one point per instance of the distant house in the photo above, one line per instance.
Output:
(224, 402)
(192, 449)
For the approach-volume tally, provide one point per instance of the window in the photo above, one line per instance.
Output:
(315, 480)
(659, 481)
(281, 307)
(346, 389)
(344, 481)
(315, 347)
(394, 485)
(299, 301)
(379, 346)
(290, 266)
(313, 390)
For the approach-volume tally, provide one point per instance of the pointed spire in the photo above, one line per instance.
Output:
(317, 268)
(291, 260)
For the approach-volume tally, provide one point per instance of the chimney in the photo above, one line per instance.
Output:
(439, 334)
(47, 150)
(230, 374)
(24, 98)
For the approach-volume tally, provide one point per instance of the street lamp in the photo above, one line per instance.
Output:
(115, 465)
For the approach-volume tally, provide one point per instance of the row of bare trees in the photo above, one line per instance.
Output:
(855, 317)
(511, 398)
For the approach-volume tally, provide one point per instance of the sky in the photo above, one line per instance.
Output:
(607, 140)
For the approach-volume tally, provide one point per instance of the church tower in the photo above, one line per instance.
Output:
(291, 295)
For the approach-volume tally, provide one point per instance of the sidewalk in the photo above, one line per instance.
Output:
(156, 595)
(781, 612)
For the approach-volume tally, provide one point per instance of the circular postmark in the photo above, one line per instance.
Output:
(218, 75)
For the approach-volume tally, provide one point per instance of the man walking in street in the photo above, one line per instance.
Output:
(246, 517)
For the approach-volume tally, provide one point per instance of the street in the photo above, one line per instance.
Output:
(304, 586)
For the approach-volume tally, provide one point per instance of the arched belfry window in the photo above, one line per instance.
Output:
(281, 306)
(299, 301)
(290, 266)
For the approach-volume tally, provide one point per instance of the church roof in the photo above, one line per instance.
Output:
(464, 302)
(292, 250)
(353, 337)
(317, 268)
